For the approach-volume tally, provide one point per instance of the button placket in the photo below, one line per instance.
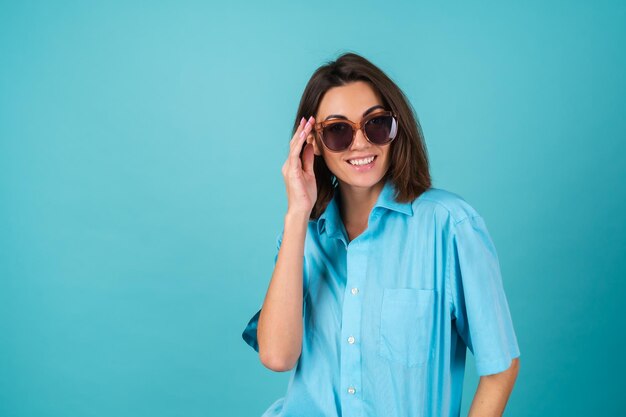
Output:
(356, 268)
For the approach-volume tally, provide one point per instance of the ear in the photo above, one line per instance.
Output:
(311, 139)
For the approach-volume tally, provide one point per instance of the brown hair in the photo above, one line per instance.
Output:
(408, 170)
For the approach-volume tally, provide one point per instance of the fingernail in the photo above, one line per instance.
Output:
(302, 121)
(310, 119)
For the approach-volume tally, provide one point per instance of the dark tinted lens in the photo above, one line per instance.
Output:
(379, 128)
(337, 136)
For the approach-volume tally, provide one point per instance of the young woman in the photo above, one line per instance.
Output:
(381, 281)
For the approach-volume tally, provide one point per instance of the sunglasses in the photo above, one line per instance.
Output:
(338, 134)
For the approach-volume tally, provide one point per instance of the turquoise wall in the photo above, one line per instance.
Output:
(141, 193)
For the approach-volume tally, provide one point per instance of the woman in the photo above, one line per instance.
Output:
(381, 281)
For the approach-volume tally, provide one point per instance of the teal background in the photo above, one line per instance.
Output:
(141, 193)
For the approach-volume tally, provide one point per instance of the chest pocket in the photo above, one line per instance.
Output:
(406, 325)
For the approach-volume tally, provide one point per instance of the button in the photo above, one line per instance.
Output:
(351, 340)
(351, 390)
(355, 291)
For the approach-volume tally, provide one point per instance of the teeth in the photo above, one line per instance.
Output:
(361, 161)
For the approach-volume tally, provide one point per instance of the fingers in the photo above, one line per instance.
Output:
(304, 129)
(305, 126)
(298, 130)
(295, 136)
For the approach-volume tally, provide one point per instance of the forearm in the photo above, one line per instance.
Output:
(493, 392)
(279, 331)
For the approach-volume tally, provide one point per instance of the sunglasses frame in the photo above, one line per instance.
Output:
(319, 128)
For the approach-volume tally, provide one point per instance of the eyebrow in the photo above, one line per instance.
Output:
(368, 111)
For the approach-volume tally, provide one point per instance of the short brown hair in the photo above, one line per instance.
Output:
(409, 168)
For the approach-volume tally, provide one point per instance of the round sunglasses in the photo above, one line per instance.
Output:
(338, 134)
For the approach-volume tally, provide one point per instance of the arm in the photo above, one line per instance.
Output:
(279, 330)
(482, 316)
(493, 392)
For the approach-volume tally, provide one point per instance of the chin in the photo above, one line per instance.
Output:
(362, 180)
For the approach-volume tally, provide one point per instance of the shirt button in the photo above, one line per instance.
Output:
(355, 290)
(351, 390)
(351, 339)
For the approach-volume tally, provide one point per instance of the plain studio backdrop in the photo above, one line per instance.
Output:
(141, 194)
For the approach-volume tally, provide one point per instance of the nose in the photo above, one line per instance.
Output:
(359, 142)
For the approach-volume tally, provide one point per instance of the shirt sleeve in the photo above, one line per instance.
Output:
(249, 334)
(479, 303)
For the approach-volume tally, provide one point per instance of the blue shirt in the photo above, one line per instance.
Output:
(388, 316)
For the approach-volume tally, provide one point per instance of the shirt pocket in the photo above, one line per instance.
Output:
(406, 325)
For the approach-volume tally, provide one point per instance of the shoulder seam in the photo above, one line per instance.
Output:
(467, 218)
(439, 203)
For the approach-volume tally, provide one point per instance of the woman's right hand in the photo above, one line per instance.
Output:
(298, 173)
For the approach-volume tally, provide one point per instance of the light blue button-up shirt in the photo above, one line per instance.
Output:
(388, 316)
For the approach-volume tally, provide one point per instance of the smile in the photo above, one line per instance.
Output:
(363, 161)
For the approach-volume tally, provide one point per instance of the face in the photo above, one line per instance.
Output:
(353, 101)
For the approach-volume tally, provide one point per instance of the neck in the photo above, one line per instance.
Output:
(356, 203)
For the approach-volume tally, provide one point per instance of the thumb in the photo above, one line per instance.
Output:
(307, 159)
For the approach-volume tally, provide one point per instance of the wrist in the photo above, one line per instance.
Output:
(297, 217)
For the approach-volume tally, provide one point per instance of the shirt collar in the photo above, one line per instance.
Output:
(330, 219)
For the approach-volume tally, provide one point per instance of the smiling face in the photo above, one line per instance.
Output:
(353, 101)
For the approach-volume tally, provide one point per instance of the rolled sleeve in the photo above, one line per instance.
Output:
(249, 334)
(479, 303)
